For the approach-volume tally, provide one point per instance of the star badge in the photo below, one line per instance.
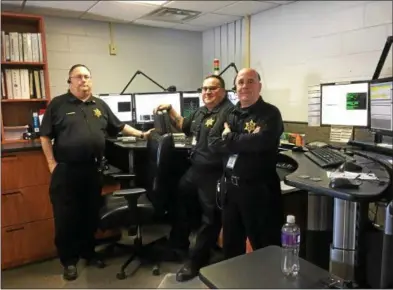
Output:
(209, 122)
(97, 113)
(250, 126)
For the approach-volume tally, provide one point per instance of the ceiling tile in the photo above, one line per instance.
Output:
(243, 8)
(202, 6)
(121, 10)
(211, 19)
(278, 2)
(188, 27)
(52, 12)
(154, 23)
(90, 16)
(156, 2)
(62, 5)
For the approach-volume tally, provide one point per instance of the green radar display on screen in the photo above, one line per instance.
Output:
(356, 101)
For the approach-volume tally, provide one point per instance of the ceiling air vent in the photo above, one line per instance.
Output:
(171, 15)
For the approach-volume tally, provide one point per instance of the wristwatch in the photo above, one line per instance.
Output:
(142, 136)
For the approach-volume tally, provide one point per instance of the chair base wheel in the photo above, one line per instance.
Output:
(156, 271)
(121, 275)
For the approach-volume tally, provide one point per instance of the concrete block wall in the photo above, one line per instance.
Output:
(310, 42)
(170, 57)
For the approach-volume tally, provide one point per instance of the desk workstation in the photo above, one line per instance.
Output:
(334, 161)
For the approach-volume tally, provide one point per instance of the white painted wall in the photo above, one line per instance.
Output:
(170, 57)
(225, 43)
(311, 42)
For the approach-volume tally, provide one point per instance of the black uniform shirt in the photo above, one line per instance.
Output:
(257, 153)
(78, 128)
(199, 125)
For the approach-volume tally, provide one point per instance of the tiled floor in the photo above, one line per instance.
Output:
(48, 274)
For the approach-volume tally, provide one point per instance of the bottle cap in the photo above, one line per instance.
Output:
(290, 219)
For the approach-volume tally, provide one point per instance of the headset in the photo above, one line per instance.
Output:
(74, 67)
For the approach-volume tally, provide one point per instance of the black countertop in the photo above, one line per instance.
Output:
(368, 191)
(20, 147)
(260, 269)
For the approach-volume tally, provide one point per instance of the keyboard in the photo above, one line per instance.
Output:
(127, 139)
(327, 157)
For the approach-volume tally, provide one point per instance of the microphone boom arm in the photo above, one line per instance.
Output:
(232, 64)
(138, 72)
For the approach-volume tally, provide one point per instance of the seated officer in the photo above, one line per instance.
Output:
(200, 179)
(77, 122)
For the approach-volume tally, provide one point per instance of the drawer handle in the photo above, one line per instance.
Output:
(12, 192)
(15, 229)
(9, 158)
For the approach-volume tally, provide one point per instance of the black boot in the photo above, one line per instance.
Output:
(70, 273)
(187, 272)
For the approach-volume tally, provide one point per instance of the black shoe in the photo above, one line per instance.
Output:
(187, 272)
(70, 273)
(96, 262)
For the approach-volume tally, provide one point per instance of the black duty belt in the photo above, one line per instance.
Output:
(241, 181)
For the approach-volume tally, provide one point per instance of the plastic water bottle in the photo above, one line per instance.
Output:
(290, 241)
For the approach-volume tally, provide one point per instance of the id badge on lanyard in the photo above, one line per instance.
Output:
(231, 161)
(194, 141)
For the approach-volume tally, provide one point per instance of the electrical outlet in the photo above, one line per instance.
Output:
(112, 49)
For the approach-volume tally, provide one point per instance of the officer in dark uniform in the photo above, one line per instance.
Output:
(199, 182)
(77, 123)
(250, 190)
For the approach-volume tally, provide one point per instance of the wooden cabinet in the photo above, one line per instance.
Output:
(27, 227)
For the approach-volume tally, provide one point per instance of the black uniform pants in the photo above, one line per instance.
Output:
(252, 210)
(197, 189)
(75, 193)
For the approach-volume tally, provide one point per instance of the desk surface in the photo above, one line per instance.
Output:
(21, 146)
(369, 190)
(260, 269)
(143, 144)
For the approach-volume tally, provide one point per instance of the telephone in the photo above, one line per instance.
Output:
(317, 144)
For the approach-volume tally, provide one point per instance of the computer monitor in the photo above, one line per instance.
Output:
(232, 96)
(345, 104)
(145, 103)
(120, 105)
(191, 102)
(381, 106)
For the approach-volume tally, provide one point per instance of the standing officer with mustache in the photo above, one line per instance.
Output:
(252, 196)
(77, 123)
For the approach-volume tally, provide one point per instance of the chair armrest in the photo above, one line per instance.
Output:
(123, 176)
(129, 192)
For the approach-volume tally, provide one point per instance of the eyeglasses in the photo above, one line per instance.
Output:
(81, 77)
(212, 89)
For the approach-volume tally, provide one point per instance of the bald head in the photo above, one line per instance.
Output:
(248, 87)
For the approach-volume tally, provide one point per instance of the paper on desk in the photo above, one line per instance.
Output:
(285, 187)
(314, 103)
(351, 175)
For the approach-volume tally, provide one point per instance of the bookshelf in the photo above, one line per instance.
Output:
(24, 71)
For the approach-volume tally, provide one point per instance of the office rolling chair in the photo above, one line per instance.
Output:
(135, 207)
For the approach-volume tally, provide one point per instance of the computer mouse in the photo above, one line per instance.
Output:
(349, 152)
(351, 167)
(297, 149)
(344, 183)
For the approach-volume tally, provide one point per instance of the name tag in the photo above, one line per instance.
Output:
(232, 161)
(193, 142)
